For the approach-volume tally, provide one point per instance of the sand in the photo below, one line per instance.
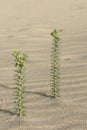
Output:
(26, 25)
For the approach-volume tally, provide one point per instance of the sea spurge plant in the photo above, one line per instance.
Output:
(55, 68)
(20, 62)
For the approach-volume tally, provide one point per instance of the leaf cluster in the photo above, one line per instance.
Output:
(20, 61)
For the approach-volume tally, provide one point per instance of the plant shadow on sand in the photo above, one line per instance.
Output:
(30, 92)
(40, 94)
(7, 111)
(5, 86)
(3, 110)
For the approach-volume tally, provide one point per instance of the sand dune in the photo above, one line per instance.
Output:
(26, 25)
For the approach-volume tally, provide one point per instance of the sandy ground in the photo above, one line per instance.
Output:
(26, 25)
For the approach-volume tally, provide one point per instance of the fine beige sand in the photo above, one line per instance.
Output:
(26, 25)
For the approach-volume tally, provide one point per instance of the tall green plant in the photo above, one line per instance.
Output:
(20, 62)
(55, 68)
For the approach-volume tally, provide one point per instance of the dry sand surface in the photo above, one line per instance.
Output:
(26, 25)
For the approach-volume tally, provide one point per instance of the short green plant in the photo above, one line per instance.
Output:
(55, 68)
(20, 62)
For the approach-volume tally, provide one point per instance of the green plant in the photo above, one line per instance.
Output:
(55, 68)
(20, 62)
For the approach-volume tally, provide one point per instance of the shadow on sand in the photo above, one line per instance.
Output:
(7, 111)
(30, 92)
(40, 94)
(5, 86)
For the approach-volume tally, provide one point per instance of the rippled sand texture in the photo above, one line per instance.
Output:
(26, 25)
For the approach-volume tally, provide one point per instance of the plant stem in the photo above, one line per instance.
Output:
(20, 62)
(55, 69)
